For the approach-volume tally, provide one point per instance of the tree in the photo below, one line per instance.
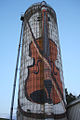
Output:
(69, 97)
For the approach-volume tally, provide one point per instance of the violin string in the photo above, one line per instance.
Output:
(36, 54)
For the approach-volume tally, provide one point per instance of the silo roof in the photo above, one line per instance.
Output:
(37, 7)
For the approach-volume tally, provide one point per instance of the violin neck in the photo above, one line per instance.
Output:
(46, 51)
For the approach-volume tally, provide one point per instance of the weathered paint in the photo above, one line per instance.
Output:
(32, 62)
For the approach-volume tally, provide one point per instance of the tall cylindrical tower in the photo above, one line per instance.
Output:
(41, 85)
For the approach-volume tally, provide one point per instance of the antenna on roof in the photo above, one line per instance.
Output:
(43, 3)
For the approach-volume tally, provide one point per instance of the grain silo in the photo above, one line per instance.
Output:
(41, 85)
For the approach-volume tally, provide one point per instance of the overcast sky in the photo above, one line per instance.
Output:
(68, 17)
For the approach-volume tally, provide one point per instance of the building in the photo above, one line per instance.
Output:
(41, 85)
(73, 110)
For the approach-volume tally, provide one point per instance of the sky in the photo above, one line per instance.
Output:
(68, 18)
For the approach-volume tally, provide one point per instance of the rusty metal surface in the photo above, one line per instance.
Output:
(41, 83)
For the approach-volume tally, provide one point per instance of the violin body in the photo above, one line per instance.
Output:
(39, 86)
(39, 83)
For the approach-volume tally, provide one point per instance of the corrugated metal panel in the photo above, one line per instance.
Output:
(73, 110)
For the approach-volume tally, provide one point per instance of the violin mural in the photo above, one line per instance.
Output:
(41, 85)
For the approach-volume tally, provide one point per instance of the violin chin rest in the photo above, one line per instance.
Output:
(40, 97)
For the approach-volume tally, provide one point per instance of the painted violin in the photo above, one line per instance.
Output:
(38, 86)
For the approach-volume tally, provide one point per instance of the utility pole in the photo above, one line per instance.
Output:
(15, 77)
